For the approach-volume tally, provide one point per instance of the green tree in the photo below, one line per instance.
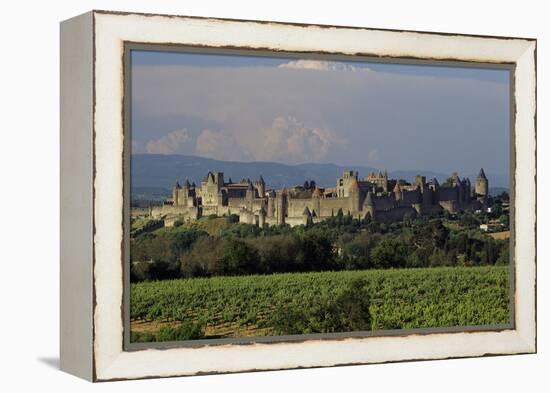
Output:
(504, 255)
(389, 253)
(203, 259)
(316, 251)
(505, 220)
(348, 311)
(238, 258)
(277, 253)
(233, 218)
(358, 251)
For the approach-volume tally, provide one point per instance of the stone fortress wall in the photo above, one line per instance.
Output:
(376, 197)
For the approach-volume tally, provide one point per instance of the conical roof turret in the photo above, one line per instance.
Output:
(209, 177)
(481, 174)
(369, 201)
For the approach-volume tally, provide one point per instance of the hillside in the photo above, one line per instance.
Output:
(153, 175)
(161, 171)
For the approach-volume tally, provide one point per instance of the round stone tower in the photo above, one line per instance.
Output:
(316, 199)
(355, 196)
(281, 202)
(482, 184)
(271, 204)
(175, 193)
(250, 194)
(261, 217)
(369, 206)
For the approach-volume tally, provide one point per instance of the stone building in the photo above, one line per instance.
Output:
(482, 186)
(376, 197)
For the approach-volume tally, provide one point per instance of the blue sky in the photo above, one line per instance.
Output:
(141, 57)
(295, 110)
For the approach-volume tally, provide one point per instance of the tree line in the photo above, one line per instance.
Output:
(339, 243)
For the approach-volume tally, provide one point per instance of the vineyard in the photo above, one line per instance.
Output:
(295, 303)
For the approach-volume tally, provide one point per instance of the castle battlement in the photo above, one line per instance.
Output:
(376, 196)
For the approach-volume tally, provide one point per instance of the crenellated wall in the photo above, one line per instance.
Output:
(256, 205)
(330, 206)
(395, 214)
(447, 194)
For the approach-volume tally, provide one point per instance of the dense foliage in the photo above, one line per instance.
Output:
(220, 246)
(347, 311)
(298, 303)
(187, 330)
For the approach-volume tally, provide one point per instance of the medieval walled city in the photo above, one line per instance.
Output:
(375, 197)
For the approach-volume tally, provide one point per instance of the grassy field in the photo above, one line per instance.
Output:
(282, 303)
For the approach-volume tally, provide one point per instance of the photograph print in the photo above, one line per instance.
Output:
(280, 195)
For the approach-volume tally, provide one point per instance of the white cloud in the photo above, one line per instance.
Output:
(289, 140)
(175, 142)
(286, 139)
(219, 145)
(322, 65)
(371, 110)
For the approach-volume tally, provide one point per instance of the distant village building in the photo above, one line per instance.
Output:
(493, 226)
(376, 197)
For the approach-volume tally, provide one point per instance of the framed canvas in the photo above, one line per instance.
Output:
(245, 195)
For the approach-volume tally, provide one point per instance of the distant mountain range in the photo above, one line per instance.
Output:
(155, 174)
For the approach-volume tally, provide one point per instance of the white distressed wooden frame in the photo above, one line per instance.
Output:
(92, 143)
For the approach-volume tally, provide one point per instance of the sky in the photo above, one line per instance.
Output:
(297, 110)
